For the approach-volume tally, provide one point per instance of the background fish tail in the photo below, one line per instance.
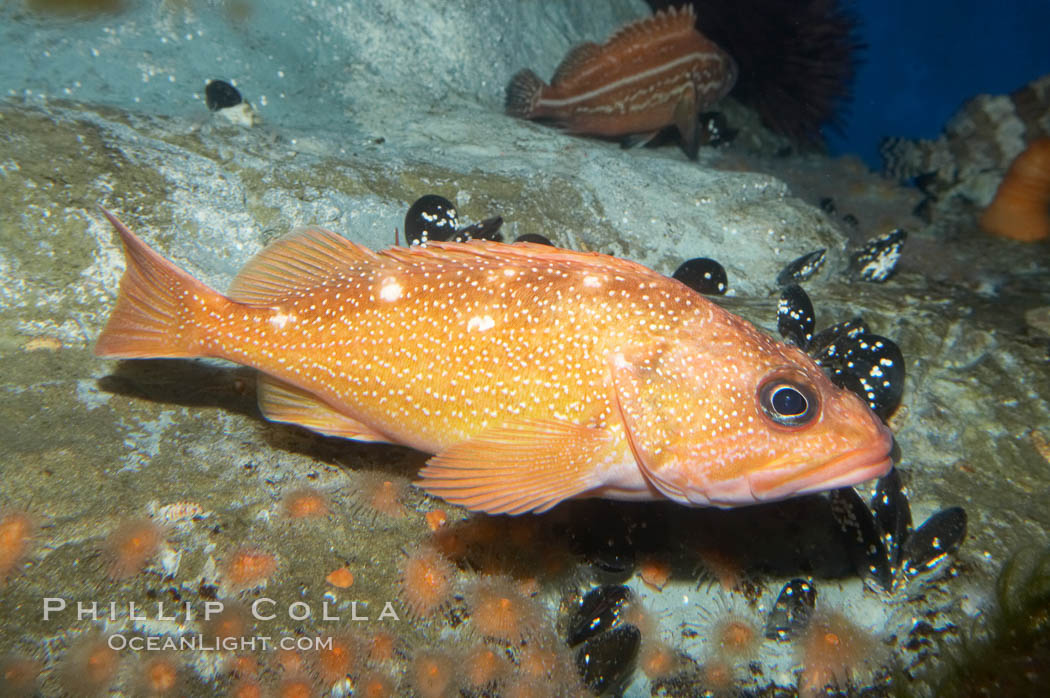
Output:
(152, 318)
(522, 93)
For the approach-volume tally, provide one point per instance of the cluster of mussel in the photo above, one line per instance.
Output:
(885, 549)
(857, 359)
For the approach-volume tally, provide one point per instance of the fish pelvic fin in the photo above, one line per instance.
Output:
(687, 119)
(637, 140)
(519, 467)
(522, 92)
(153, 316)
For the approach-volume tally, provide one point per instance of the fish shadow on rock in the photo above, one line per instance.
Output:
(185, 383)
(201, 384)
(794, 538)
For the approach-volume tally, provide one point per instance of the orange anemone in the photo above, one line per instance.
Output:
(1021, 208)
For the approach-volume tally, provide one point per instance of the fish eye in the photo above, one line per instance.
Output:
(789, 403)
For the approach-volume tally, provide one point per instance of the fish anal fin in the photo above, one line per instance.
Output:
(303, 259)
(575, 60)
(280, 401)
(518, 467)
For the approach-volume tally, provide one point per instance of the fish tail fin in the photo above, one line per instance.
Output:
(152, 315)
(522, 92)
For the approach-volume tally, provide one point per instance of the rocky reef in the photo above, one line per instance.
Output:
(964, 166)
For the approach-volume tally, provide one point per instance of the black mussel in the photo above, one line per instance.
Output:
(877, 260)
(892, 514)
(866, 363)
(880, 538)
(792, 610)
(824, 346)
(795, 319)
(598, 611)
(715, 129)
(827, 205)
(877, 364)
(864, 540)
(431, 217)
(802, 268)
(847, 381)
(606, 661)
(220, 95)
(487, 229)
(703, 275)
(932, 542)
(534, 237)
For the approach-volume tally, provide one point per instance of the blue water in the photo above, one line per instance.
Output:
(925, 58)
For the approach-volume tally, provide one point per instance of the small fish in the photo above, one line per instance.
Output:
(652, 73)
(535, 374)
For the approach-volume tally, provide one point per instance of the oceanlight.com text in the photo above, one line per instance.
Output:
(200, 643)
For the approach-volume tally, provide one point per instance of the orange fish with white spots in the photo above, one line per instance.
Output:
(535, 374)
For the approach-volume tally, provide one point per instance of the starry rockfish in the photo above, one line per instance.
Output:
(535, 374)
(652, 73)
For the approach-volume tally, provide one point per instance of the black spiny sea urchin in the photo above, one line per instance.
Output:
(797, 58)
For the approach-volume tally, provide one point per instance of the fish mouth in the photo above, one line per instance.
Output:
(865, 463)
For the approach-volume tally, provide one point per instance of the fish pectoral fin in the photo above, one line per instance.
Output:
(283, 402)
(687, 120)
(518, 467)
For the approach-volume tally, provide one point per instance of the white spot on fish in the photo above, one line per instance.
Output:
(391, 290)
(279, 320)
(480, 323)
(591, 281)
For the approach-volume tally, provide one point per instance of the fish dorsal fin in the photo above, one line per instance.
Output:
(283, 402)
(518, 254)
(578, 56)
(665, 23)
(585, 61)
(303, 259)
(518, 467)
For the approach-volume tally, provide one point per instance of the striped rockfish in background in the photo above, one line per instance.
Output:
(652, 73)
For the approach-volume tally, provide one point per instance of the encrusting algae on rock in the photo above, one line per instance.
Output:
(562, 374)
